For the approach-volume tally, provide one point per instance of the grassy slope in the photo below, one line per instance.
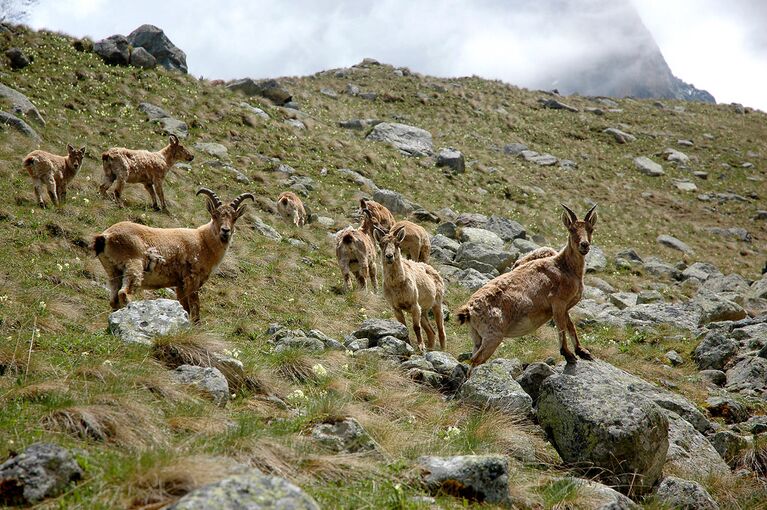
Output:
(163, 441)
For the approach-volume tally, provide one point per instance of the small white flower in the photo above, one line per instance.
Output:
(87, 177)
(345, 366)
(319, 370)
(59, 267)
(42, 305)
(297, 397)
(3, 299)
(234, 395)
(108, 362)
(86, 201)
(349, 353)
(85, 354)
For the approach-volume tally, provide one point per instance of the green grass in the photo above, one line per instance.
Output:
(53, 303)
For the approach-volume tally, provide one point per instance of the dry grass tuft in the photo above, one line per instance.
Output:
(40, 391)
(338, 467)
(755, 457)
(119, 421)
(161, 385)
(200, 425)
(271, 457)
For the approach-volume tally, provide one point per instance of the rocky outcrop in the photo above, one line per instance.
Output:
(157, 44)
(410, 140)
(208, 380)
(480, 478)
(141, 321)
(41, 471)
(20, 104)
(684, 495)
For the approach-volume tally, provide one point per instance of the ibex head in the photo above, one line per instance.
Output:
(580, 230)
(223, 215)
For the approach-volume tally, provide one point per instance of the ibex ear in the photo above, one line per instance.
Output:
(400, 236)
(568, 217)
(82, 150)
(591, 216)
(173, 139)
(378, 233)
(70, 149)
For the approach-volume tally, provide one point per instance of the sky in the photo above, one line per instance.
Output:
(717, 45)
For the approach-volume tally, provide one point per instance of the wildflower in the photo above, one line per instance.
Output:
(87, 177)
(36, 332)
(319, 370)
(108, 362)
(345, 366)
(59, 267)
(42, 305)
(290, 300)
(296, 397)
(451, 433)
(410, 419)
(362, 310)
(66, 265)
(234, 395)
(349, 353)
(3, 299)
(85, 354)
(86, 201)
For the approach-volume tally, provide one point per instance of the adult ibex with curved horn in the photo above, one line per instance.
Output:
(139, 257)
(519, 302)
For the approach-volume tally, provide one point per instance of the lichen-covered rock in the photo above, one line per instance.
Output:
(247, 492)
(598, 495)
(41, 471)
(690, 454)
(442, 362)
(114, 50)
(394, 346)
(451, 158)
(682, 494)
(492, 385)
(19, 125)
(410, 140)
(208, 380)
(748, 375)
(532, 378)
(728, 408)
(20, 104)
(140, 57)
(270, 89)
(714, 351)
(594, 422)
(481, 478)
(141, 321)
(345, 435)
(374, 329)
(729, 444)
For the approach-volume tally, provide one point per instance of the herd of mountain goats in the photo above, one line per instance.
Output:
(541, 286)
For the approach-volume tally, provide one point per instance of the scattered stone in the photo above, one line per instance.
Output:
(675, 156)
(374, 329)
(700, 175)
(141, 321)
(358, 124)
(748, 375)
(20, 104)
(689, 452)
(480, 478)
(660, 269)
(140, 57)
(444, 242)
(471, 279)
(17, 58)
(716, 308)
(265, 229)
(620, 136)
(442, 362)
(19, 125)
(714, 377)
(739, 233)
(532, 378)
(472, 252)
(252, 491)
(701, 271)
(685, 143)
(648, 166)
(514, 149)
(452, 159)
(343, 436)
(623, 299)
(480, 236)
(270, 89)
(329, 92)
(394, 201)
(42, 470)
(410, 140)
(492, 385)
(728, 408)
(209, 380)
(114, 50)
(684, 495)
(539, 159)
(714, 351)
(254, 110)
(214, 149)
(506, 229)
(729, 445)
(674, 243)
(596, 261)
(649, 296)
(155, 42)
(557, 105)
(674, 358)
(686, 186)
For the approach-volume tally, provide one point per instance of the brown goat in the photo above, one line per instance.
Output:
(412, 287)
(519, 302)
(291, 208)
(141, 166)
(538, 253)
(139, 257)
(53, 171)
(416, 245)
(356, 255)
(376, 214)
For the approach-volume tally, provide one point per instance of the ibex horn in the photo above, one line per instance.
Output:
(237, 201)
(210, 194)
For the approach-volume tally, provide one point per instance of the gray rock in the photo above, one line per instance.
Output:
(506, 229)
(619, 135)
(599, 496)
(270, 89)
(532, 378)
(153, 112)
(685, 143)
(19, 125)
(702, 271)
(471, 279)
(599, 425)
(214, 149)
(714, 351)
(595, 260)
(732, 286)
(442, 255)
(20, 104)
(686, 186)
(729, 445)
(329, 92)
(555, 104)
(449, 230)
(689, 452)
(17, 58)
(472, 220)
(623, 299)
(660, 269)
(480, 236)
(375, 329)
(141, 321)
(426, 377)
(394, 346)
(265, 229)
(726, 407)
(444, 242)
(673, 243)
(486, 254)
(514, 149)
(684, 495)
(301, 343)
(748, 375)
(171, 126)
(675, 156)
(492, 385)
(359, 179)
(394, 201)
(754, 425)
(481, 478)
(759, 288)
(648, 166)
(42, 470)
(326, 222)
(682, 315)
(418, 362)
(442, 362)
(524, 246)
(739, 233)
(252, 491)
(358, 124)
(140, 57)
(714, 377)
(674, 358)
(114, 50)
(539, 159)
(207, 379)
(452, 159)
(649, 296)
(254, 110)
(715, 308)
(154, 41)
(410, 140)
(346, 435)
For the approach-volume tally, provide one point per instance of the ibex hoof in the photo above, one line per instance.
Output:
(569, 356)
(584, 354)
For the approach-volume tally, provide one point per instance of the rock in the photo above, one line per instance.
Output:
(393, 346)
(141, 321)
(729, 445)
(715, 308)
(375, 329)
(140, 57)
(649, 296)
(252, 491)
(648, 166)
(301, 343)
(270, 89)
(660, 269)
(714, 377)
(449, 230)
(685, 143)
(728, 408)
(514, 149)
(452, 159)
(358, 124)
(208, 380)
(623, 299)
(19, 125)
(480, 478)
(749, 375)
(675, 156)
(714, 351)
(417, 362)
(394, 201)
(154, 41)
(684, 495)
(754, 425)
(673, 243)
(343, 436)
(674, 358)
(42, 470)
(472, 251)
(114, 50)
(20, 104)
(476, 220)
(442, 362)
(17, 58)
(329, 92)
(444, 242)
(599, 496)
(492, 385)
(759, 288)
(214, 149)
(265, 229)
(410, 140)
(539, 159)
(556, 105)
(595, 260)
(702, 271)
(524, 246)
(730, 286)
(741, 234)
(171, 126)
(471, 279)
(686, 186)
(631, 255)
(619, 135)
(599, 425)
(254, 110)
(532, 378)
(689, 452)
(153, 112)
(480, 236)
(506, 229)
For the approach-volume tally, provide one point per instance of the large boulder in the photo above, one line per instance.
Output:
(346, 435)
(140, 57)
(715, 308)
(375, 329)
(451, 158)
(252, 491)
(270, 89)
(473, 251)
(492, 385)
(506, 229)
(154, 40)
(748, 376)
(114, 50)
(481, 478)
(141, 321)
(592, 423)
(690, 454)
(20, 104)
(394, 201)
(648, 166)
(19, 125)
(481, 236)
(41, 471)
(410, 140)
(714, 351)
(208, 380)
(682, 494)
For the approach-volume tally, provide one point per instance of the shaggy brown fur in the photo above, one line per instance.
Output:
(291, 208)
(416, 245)
(377, 215)
(412, 287)
(54, 172)
(356, 255)
(141, 166)
(139, 257)
(538, 253)
(519, 302)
